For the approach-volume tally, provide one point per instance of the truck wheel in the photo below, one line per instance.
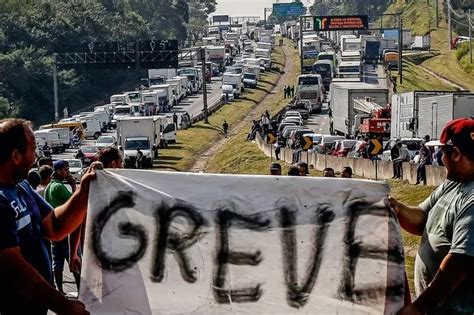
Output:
(96, 135)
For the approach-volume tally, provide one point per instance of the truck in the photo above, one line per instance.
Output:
(435, 111)
(216, 54)
(250, 68)
(267, 46)
(178, 92)
(118, 99)
(138, 133)
(51, 137)
(262, 53)
(167, 128)
(421, 42)
(407, 39)
(371, 119)
(235, 80)
(405, 112)
(342, 103)
(158, 76)
(386, 44)
(209, 41)
(370, 51)
(92, 127)
(310, 87)
(351, 44)
(165, 96)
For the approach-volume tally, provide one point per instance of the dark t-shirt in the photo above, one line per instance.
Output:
(21, 213)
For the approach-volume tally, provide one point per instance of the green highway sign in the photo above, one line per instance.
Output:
(288, 9)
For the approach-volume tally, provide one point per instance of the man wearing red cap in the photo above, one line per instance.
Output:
(444, 266)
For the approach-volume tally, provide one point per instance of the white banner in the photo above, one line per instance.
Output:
(177, 243)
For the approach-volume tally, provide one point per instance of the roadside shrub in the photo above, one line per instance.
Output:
(462, 50)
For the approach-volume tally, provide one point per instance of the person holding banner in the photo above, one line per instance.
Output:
(25, 221)
(444, 265)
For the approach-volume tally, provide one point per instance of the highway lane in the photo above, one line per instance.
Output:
(193, 105)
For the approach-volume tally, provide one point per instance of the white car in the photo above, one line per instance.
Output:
(76, 169)
(293, 113)
(105, 141)
(296, 120)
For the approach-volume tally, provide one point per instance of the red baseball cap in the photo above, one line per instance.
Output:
(459, 133)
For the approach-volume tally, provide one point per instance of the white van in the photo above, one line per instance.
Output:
(92, 127)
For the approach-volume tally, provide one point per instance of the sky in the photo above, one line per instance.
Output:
(243, 7)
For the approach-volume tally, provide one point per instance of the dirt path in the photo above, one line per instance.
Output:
(443, 79)
(205, 157)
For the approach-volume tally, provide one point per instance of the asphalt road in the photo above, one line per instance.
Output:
(319, 123)
(193, 105)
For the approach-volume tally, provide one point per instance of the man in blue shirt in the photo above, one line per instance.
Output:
(25, 221)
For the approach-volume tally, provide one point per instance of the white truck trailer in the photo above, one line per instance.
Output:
(343, 95)
(434, 112)
(405, 112)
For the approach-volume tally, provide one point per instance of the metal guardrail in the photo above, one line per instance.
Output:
(210, 109)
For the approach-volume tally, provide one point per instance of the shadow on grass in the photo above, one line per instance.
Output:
(169, 158)
(211, 127)
(248, 99)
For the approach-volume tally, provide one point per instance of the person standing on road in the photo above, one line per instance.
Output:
(139, 161)
(57, 194)
(292, 91)
(403, 156)
(444, 273)
(175, 120)
(425, 159)
(45, 173)
(285, 91)
(25, 221)
(225, 127)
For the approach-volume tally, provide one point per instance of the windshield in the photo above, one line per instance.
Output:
(117, 99)
(157, 81)
(412, 145)
(134, 97)
(105, 140)
(92, 149)
(349, 69)
(249, 76)
(322, 69)
(308, 81)
(122, 111)
(325, 57)
(75, 164)
(142, 144)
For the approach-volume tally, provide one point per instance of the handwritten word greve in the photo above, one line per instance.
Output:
(168, 241)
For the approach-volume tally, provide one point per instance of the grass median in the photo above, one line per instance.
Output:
(239, 156)
(194, 141)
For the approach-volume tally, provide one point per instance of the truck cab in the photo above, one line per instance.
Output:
(325, 70)
(235, 80)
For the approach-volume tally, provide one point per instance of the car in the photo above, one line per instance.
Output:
(76, 169)
(296, 120)
(326, 143)
(293, 113)
(412, 144)
(341, 148)
(105, 141)
(283, 125)
(90, 154)
(304, 107)
(287, 130)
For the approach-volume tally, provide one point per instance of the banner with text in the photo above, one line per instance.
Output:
(160, 243)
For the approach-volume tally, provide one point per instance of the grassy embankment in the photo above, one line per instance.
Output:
(201, 136)
(243, 157)
(419, 16)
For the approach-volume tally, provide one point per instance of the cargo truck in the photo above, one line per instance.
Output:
(235, 80)
(178, 89)
(434, 112)
(405, 108)
(370, 51)
(135, 133)
(342, 103)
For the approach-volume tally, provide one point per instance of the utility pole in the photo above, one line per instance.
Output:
(204, 84)
(265, 18)
(55, 89)
(301, 43)
(450, 35)
(470, 35)
(400, 48)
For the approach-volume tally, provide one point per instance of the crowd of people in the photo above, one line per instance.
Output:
(48, 208)
(289, 91)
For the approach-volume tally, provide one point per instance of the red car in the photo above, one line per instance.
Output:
(343, 147)
(90, 154)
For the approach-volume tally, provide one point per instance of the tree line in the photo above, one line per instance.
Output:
(31, 31)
